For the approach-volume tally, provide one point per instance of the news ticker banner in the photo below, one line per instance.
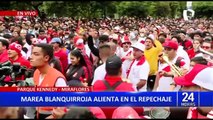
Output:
(19, 13)
(23, 97)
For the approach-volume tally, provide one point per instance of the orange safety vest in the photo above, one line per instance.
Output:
(48, 81)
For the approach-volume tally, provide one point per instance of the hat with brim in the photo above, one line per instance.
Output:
(138, 46)
(190, 76)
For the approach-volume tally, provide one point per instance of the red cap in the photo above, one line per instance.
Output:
(171, 44)
(188, 44)
(78, 42)
(125, 39)
(125, 112)
(17, 47)
(190, 76)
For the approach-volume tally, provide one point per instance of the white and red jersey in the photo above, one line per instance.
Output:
(194, 114)
(42, 39)
(164, 82)
(138, 70)
(126, 62)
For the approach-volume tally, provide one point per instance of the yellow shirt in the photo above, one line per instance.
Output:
(151, 56)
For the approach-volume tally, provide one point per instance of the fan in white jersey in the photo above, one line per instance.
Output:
(126, 54)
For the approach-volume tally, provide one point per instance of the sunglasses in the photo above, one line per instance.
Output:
(205, 47)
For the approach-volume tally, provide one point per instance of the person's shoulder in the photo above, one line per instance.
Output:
(98, 82)
(125, 86)
(98, 86)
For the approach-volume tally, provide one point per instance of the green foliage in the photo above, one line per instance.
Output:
(134, 8)
(95, 9)
(203, 9)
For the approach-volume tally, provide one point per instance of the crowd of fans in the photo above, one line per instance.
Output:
(125, 54)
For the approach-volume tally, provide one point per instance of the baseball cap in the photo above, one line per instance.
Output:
(56, 39)
(78, 42)
(139, 46)
(113, 62)
(171, 44)
(194, 74)
(125, 112)
(16, 47)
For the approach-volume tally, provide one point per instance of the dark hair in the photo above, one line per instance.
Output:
(177, 37)
(77, 54)
(199, 60)
(113, 72)
(104, 46)
(18, 40)
(207, 41)
(4, 43)
(28, 36)
(56, 63)
(46, 49)
(79, 113)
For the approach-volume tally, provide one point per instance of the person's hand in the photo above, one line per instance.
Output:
(165, 74)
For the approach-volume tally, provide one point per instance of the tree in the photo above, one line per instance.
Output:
(133, 8)
(162, 9)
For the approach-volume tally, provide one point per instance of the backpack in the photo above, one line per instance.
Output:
(113, 87)
(89, 67)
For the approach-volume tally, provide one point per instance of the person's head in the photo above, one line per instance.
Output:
(77, 57)
(55, 63)
(104, 52)
(149, 43)
(198, 60)
(196, 44)
(138, 50)
(4, 44)
(9, 113)
(96, 34)
(103, 39)
(113, 47)
(23, 33)
(15, 34)
(78, 113)
(162, 37)
(113, 66)
(206, 45)
(14, 51)
(18, 40)
(79, 42)
(71, 36)
(41, 55)
(170, 49)
(56, 42)
(42, 33)
(182, 35)
(197, 35)
(126, 43)
(176, 38)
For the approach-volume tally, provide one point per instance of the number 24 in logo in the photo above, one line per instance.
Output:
(188, 96)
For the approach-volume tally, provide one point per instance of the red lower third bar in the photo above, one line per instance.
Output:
(8, 13)
(19, 13)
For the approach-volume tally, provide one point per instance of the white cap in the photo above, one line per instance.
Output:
(205, 78)
(139, 46)
(151, 36)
